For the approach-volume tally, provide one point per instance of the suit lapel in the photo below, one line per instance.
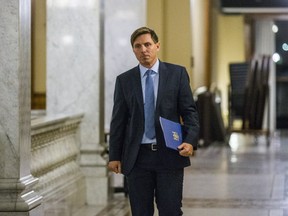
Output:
(163, 76)
(138, 87)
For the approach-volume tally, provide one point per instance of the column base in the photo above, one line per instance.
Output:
(17, 195)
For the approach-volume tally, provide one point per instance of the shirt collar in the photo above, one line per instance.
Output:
(143, 69)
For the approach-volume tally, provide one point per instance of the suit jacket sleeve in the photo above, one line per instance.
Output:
(188, 111)
(119, 119)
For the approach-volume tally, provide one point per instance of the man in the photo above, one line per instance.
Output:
(137, 147)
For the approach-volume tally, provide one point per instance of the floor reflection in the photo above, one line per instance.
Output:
(245, 177)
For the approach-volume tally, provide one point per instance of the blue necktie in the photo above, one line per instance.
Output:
(149, 106)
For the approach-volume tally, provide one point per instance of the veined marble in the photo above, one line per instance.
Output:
(73, 82)
(16, 182)
(73, 62)
(9, 61)
(122, 17)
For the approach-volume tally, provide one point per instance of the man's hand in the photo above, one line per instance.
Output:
(115, 166)
(185, 149)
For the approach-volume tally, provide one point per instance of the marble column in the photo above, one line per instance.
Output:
(16, 182)
(73, 82)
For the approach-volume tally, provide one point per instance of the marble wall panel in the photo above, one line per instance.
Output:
(122, 17)
(73, 79)
(73, 62)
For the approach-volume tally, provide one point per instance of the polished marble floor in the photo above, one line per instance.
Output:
(246, 177)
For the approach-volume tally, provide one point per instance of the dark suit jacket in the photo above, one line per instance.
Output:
(174, 102)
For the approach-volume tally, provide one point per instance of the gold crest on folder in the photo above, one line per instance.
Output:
(175, 136)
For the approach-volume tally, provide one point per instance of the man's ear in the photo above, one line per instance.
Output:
(158, 46)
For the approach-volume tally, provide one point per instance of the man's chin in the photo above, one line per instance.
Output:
(145, 61)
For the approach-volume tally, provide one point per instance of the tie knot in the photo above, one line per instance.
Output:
(149, 72)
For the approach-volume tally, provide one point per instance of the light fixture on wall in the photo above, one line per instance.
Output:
(276, 57)
(275, 28)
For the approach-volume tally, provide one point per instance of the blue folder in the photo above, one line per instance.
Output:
(172, 132)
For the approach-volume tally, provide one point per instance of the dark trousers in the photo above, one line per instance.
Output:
(149, 180)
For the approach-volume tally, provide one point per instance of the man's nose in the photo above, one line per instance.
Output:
(143, 48)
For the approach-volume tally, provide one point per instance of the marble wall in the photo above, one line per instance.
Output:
(122, 17)
(73, 82)
(73, 62)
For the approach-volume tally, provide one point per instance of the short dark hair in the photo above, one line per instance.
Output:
(141, 31)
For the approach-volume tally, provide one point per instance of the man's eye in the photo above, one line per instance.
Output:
(148, 44)
(137, 46)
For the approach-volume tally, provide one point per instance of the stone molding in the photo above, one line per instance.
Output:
(18, 195)
(55, 152)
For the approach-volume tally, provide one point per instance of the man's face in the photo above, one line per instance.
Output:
(146, 50)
